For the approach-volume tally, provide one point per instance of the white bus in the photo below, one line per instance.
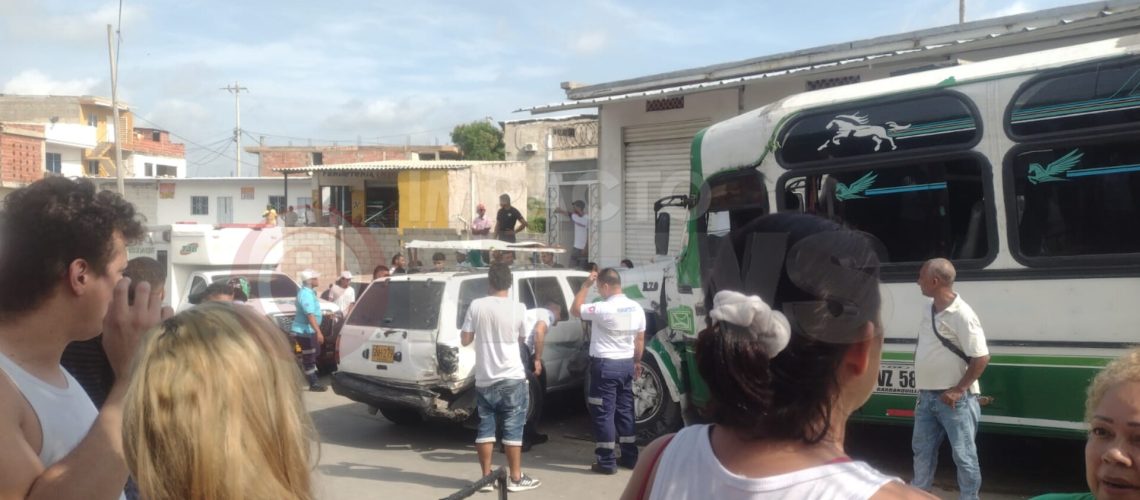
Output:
(1024, 171)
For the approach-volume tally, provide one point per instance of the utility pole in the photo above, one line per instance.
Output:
(961, 11)
(115, 112)
(236, 89)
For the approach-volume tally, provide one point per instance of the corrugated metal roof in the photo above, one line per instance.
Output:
(968, 36)
(393, 165)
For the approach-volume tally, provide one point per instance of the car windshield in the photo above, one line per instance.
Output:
(265, 286)
(413, 305)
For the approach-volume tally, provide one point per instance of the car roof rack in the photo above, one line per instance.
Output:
(484, 245)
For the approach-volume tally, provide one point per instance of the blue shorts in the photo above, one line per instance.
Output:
(505, 401)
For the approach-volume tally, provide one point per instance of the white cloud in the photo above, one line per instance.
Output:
(1001, 9)
(28, 21)
(33, 81)
(589, 43)
(535, 70)
(402, 114)
(179, 111)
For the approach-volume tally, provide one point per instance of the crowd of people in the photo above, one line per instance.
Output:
(101, 383)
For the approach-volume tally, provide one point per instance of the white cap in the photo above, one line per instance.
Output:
(309, 274)
(347, 275)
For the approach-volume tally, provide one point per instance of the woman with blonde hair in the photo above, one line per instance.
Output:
(213, 410)
(1112, 452)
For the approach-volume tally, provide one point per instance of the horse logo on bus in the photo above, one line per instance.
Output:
(856, 126)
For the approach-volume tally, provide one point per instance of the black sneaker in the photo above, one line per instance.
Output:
(627, 464)
(596, 467)
(317, 388)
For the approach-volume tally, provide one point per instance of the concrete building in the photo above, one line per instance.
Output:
(153, 155)
(410, 194)
(647, 124)
(73, 136)
(270, 159)
(211, 200)
(561, 156)
(79, 131)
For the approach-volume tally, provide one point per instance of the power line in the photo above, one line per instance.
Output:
(351, 141)
(236, 89)
(184, 139)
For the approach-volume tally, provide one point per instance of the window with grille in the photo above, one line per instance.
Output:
(200, 205)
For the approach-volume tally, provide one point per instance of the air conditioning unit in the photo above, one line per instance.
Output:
(530, 147)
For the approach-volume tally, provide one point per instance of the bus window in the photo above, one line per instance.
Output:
(1074, 200)
(919, 210)
(1095, 96)
(937, 120)
(734, 199)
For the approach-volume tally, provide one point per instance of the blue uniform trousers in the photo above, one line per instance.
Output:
(611, 411)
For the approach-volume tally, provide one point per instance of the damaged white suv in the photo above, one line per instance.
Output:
(400, 350)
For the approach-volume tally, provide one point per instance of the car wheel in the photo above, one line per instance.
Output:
(402, 416)
(534, 410)
(655, 412)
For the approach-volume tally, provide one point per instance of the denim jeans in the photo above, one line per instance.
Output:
(505, 401)
(934, 420)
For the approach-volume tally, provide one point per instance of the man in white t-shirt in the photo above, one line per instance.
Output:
(342, 294)
(581, 233)
(496, 324)
(950, 357)
(538, 321)
(617, 341)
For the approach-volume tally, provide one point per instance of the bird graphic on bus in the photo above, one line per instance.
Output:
(843, 192)
(1056, 169)
(856, 126)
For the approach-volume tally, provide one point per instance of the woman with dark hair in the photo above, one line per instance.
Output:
(787, 359)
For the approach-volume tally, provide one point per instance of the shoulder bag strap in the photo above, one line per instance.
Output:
(945, 341)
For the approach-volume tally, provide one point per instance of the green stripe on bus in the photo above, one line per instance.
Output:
(1022, 359)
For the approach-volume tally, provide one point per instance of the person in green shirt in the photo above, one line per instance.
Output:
(1112, 452)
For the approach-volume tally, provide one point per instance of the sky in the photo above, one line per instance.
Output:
(386, 72)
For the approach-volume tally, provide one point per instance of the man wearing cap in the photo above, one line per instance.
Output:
(481, 226)
(307, 327)
(342, 293)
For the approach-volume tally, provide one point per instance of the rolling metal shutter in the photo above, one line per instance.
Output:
(656, 165)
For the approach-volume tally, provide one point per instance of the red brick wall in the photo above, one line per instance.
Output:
(275, 158)
(21, 157)
(144, 143)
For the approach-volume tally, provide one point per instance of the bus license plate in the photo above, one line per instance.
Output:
(383, 353)
(896, 378)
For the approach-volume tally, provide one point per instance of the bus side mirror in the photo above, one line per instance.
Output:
(661, 234)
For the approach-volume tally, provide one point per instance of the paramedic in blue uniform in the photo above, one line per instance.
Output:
(617, 340)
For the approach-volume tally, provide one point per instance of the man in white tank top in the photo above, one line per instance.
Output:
(62, 255)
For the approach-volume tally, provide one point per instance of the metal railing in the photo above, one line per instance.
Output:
(498, 476)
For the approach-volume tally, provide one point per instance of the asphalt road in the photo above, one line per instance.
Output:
(364, 456)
